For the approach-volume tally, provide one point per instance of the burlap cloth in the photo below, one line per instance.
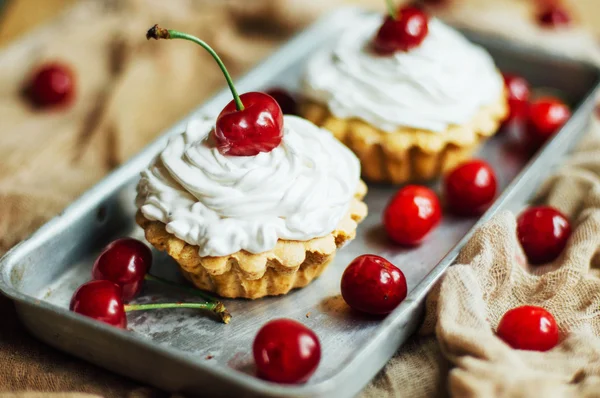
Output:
(131, 90)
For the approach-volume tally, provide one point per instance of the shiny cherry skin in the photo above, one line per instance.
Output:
(100, 300)
(554, 16)
(412, 213)
(545, 117)
(124, 262)
(287, 103)
(258, 128)
(528, 328)
(286, 351)
(470, 188)
(519, 92)
(403, 33)
(543, 233)
(52, 85)
(373, 285)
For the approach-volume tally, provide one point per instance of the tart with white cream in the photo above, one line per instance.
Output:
(409, 95)
(254, 203)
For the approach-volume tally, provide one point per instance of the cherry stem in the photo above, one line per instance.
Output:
(195, 292)
(217, 308)
(391, 8)
(157, 32)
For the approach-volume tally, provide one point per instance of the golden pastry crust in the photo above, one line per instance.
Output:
(289, 265)
(409, 154)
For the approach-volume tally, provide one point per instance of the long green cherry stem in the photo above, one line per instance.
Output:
(195, 292)
(391, 8)
(157, 32)
(217, 308)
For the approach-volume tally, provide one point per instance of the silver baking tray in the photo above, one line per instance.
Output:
(189, 352)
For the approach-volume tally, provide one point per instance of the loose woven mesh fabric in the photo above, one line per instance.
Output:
(490, 277)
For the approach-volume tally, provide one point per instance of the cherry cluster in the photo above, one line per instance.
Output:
(540, 117)
(118, 275)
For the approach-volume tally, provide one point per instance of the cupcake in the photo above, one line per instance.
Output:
(252, 226)
(253, 203)
(409, 95)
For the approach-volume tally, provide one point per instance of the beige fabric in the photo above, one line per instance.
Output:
(491, 277)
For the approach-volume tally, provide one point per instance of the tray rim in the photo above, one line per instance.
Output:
(121, 176)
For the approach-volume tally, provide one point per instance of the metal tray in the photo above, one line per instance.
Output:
(187, 351)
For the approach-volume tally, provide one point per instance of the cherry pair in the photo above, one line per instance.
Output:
(119, 273)
(469, 189)
(286, 351)
(544, 116)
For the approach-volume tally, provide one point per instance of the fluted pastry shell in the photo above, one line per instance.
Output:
(409, 154)
(291, 264)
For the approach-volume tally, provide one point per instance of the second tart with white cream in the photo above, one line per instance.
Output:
(408, 115)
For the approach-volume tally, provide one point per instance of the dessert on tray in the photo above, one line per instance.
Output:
(254, 203)
(409, 95)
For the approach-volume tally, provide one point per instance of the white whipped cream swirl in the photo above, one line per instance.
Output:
(298, 191)
(442, 82)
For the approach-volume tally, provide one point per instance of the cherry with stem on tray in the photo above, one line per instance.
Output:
(402, 30)
(373, 285)
(412, 214)
(543, 233)
(127, 262)
(528, 328)
(286, 351)
(470, 188)
(248, 125)
(52, 85)
(102, 300)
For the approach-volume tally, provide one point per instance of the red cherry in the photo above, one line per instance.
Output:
(257, 128)
(52, 85)
(287, 103)
(373, 285)
(406, 31)
(124, 262)
(545, 117)
(285, 351)
(518, 94)
(411, 214)
(100, 300)
(554, 16)
(528, 328)
(470, 188)
(543, 232)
